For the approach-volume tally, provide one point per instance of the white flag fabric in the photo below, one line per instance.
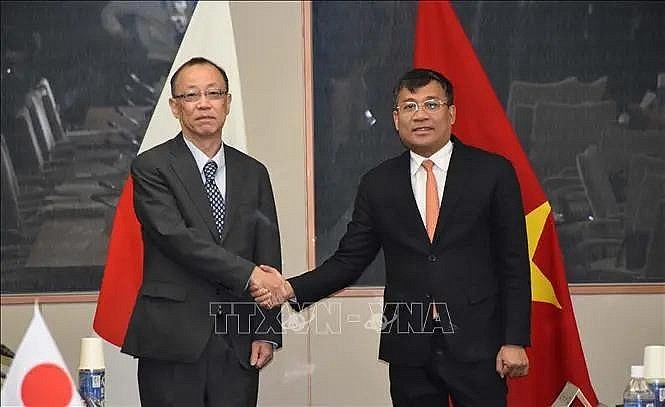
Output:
(38, 375)
(209, 35)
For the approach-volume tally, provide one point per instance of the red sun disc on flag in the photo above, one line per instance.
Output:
(46, 385)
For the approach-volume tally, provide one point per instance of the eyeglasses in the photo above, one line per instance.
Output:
(430, 105)
(194, 96)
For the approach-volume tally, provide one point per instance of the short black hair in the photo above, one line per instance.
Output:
(419, 77)
(198, 61)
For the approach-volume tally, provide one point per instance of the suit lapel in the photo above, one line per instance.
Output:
(455, 185)
(232, 188)
(186, 169)
(410, 218)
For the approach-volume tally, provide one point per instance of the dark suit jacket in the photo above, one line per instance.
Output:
(187, 267)
(477, 264)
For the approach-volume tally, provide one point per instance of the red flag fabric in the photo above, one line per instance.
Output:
(123, 273)
(555, 354)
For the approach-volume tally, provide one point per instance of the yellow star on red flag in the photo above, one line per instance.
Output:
(541, 287)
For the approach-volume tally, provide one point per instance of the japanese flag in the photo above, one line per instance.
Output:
(38, 375)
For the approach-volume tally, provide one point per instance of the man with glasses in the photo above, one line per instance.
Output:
(449, 218)
(208, 220)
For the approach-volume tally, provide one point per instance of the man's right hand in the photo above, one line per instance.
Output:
(268, 287)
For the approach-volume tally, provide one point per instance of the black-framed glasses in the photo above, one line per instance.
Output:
(195, 96)
(430, 105)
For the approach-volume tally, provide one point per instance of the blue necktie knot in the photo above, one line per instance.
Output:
(210, 169)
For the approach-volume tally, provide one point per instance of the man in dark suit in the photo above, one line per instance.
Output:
(208, 220)
(457, 297)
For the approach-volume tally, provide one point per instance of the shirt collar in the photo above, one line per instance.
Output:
(441, 158)
(201, 158)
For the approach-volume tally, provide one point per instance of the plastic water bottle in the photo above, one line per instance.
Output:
(657, 386)
(91, 386)
(654, 363)
(637, 393)
(92, 373)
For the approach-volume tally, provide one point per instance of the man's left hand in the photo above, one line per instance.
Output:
(261, 354)
(512, 361)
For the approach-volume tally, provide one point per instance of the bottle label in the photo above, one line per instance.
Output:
(658, 390)
(638, 403)
(91, 386)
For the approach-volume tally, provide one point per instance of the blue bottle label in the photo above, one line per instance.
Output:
(638, 403)
(91, 386)
(658, 390)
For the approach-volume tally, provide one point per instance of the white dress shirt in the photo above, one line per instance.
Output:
(201, 159)
(441, 161)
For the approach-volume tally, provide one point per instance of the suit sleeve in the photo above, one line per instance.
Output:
(357, 248)
(266, 325)
(160, 217)
(511, 257)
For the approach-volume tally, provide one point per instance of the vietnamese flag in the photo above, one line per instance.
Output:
(123, 273)
(555, 354)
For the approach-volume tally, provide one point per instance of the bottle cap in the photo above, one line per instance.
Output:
(654, 362)
(637, 371)
(92, 355)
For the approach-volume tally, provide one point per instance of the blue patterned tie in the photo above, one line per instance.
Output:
(214, 196)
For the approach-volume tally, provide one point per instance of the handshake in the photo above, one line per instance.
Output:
(268, 288)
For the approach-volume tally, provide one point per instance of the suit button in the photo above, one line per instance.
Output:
(432, 258)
